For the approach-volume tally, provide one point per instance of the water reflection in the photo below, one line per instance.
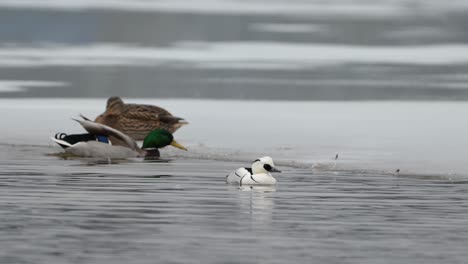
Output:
(103, 161)
(258, 202)
(190, 207)
(258, 188)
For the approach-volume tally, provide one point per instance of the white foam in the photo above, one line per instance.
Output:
(254, 65)
(420, 32)
(288, 54)
(257, 7)
(408, 84)
(317, 8)
(7, 86)
(288, 28)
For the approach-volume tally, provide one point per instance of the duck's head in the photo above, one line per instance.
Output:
(114, 104)
(160, 138)
(264, 165)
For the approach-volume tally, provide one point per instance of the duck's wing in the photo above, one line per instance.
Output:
(151, 117)
(138, 120)
(149, 113)
(236, 176)
(144, 108)
(100, 129)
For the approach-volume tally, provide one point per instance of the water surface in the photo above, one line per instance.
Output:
(358, 210)
(83, 211)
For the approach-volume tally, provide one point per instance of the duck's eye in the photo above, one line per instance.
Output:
(267, 167)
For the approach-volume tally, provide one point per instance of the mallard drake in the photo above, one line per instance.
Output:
(258, 174)
(137, 120)
(96, 142)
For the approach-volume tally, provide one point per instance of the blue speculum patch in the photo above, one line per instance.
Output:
(102, 139)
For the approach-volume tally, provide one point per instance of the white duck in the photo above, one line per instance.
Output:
(259, 174)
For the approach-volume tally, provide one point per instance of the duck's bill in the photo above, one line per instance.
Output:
(273, 169)
(177, 145)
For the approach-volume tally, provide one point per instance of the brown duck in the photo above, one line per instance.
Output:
(137, 120)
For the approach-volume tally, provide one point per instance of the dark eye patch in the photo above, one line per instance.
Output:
(267, 167)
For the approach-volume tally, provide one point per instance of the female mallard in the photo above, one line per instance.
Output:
(259, 174)
(137, 120)
(96, 142)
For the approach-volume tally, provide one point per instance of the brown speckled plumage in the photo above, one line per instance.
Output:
(137, 120)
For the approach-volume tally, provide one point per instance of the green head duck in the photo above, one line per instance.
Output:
(160, 138)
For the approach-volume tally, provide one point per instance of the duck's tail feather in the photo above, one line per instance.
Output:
(61, 142)
(172, 119)
(85, 118)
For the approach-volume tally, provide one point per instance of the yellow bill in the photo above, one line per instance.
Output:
(177, 145)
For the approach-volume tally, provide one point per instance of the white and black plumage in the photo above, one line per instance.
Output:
(258, 174)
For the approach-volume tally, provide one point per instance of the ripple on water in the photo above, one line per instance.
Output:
(137, 212)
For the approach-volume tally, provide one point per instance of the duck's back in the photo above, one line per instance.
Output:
(150, 110)
(137, 120)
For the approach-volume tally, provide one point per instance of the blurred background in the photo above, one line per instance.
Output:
(359, 102)
(235, 49)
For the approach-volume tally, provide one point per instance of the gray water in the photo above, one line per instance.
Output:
(85, 211)
(57, 209)
(282, 50)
